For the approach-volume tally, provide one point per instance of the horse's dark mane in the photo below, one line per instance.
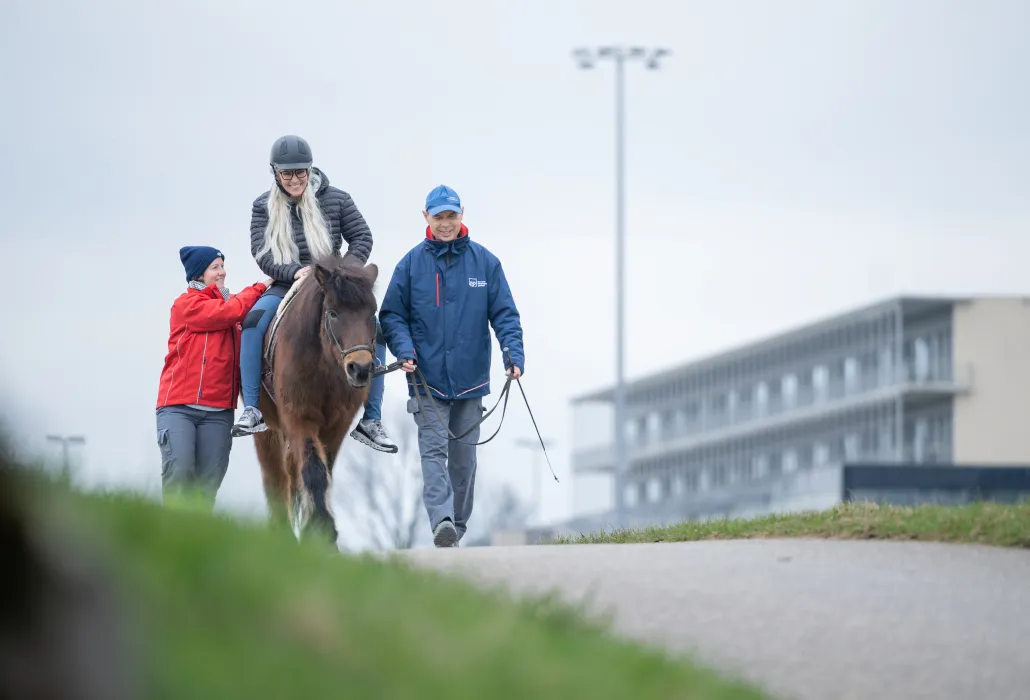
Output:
(348, 284)
(350, 288)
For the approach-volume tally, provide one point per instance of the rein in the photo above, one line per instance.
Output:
(419, 379)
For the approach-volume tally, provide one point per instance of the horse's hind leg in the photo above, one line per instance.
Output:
(274, 476)
(315, 477)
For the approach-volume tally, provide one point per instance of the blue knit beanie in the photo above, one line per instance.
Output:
(196, 258)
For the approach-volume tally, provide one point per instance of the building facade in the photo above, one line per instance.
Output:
(931, 381)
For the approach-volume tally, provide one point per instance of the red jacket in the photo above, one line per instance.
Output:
(202, 365)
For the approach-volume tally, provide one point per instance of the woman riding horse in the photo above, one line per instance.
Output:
(300, 219)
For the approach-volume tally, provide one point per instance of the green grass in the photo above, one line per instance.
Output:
(230, 611)
(996, 524)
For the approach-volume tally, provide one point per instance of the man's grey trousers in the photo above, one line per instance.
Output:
(448, 466)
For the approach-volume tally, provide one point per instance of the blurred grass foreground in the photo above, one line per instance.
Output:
(113, 596)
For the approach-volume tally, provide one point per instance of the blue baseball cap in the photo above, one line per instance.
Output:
(442, 198)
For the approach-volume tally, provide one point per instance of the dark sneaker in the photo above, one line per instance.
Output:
(373, 434)
(251, 421)
(445, 535)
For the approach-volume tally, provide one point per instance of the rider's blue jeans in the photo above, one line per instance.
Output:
(251, 345)
(374, 404)
(255, 325)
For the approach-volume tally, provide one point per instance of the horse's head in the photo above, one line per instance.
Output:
(348, 317)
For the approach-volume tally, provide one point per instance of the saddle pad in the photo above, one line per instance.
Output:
(273, 332)
(289, 295)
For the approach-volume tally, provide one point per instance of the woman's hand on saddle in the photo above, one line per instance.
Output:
(302, 272)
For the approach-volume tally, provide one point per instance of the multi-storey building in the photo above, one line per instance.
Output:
(909, 380)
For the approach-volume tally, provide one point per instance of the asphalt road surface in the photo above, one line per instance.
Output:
(805, 619)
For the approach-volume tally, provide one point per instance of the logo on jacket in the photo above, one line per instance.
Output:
(473, 282)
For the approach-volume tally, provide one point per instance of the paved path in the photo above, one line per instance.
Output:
(806, 619)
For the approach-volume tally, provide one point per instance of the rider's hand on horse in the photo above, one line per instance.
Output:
(302, 272)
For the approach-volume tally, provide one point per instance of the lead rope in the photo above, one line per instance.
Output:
(419, 379)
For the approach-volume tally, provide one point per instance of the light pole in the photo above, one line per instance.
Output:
(532, 445)
(65, 441)
(586, 58)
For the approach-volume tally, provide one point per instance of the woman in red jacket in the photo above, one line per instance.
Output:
(200, 382)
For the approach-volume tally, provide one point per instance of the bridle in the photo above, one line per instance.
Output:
(378, 369)
(344, 352)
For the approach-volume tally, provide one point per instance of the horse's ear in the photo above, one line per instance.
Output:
(373, 272)
(321, 275)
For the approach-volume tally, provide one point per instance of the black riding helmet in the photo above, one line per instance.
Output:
(290, 152)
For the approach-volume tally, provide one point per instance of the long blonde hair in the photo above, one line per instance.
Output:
(279, 231)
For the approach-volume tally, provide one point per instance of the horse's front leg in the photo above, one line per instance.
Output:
(315, 479)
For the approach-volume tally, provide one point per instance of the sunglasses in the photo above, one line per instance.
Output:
(290, 174)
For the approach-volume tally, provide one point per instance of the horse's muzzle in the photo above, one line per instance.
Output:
(359, 374)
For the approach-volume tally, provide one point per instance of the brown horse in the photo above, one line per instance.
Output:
(321, 369)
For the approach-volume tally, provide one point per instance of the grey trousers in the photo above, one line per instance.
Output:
(195, 446)
(448, 466)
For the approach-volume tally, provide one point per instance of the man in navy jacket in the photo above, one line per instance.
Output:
(444, 296)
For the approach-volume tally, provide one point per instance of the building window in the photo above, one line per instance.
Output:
(744, 404)
(820, 454)
(852, 446)
(820, 382)
(692, 414)
(885, 443)
(790, 461)
(691, 481)
(759, 466)
(653, 421)
(789, 387)
(630, 495)
(886, 366)
(867, 367)
(921, 359)
(720, 403)
(761, 398)
(668, 424)
(742, 472)
(852, 375)
(654, 490)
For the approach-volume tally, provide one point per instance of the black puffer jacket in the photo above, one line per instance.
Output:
(345, 221)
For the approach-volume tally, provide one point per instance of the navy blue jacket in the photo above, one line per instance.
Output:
(438, 309)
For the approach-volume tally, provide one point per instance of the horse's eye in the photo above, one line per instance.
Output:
(332, 315)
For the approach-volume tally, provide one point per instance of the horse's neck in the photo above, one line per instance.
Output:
(301, 320)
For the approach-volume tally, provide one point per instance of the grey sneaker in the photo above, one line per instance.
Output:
(444, 535)
(251, 421)
(373, 434)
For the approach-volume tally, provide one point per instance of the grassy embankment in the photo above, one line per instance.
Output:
(225, 610)
(1002, 525)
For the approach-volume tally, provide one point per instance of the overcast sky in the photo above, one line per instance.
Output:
(791, 160)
